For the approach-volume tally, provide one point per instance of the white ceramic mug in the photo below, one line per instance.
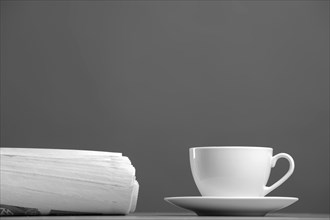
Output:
(232, 171)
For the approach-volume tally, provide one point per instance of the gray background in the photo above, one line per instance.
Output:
(151, 79)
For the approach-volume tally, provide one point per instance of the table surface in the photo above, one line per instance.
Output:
(174, 216)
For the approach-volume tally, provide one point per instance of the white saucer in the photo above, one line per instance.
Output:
(225, 206)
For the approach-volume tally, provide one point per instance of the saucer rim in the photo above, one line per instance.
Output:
(231, 206)
(232, 198)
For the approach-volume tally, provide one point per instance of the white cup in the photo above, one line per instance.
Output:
(232, 171)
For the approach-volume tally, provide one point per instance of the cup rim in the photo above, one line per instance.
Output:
(232, 147)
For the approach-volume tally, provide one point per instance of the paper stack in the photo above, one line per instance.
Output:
(53, 181)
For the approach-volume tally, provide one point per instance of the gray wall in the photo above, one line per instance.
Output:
(151, 79)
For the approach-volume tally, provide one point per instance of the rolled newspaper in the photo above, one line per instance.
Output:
(59, 182)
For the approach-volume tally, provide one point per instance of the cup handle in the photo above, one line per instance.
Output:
(285, 177)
